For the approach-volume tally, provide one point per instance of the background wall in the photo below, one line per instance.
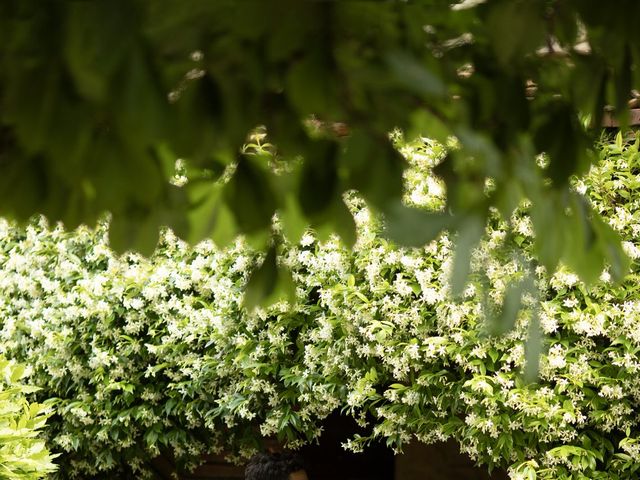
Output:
(441, 461)
(329, 461)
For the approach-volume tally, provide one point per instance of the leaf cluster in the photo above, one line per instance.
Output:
(98, 100)
(23, 453)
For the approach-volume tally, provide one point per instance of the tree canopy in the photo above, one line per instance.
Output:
(98, 100)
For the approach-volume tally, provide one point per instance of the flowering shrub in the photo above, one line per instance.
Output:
(23, 456)
(152, 354)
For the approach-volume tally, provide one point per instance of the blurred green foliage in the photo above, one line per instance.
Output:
(98, 99)
(157, 355)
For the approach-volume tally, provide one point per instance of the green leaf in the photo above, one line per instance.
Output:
(549, 225)
(413, 227)
(22, 194)
(515, 28)
(16, 373)
(208, 215)
(373, 167)
(413, 75)
(589, 86)
(504, 322)
(560, 134)
(424, 123)
(250, 197)
(29, 101)
(584, 254)
(470, 231)
(294, 223)
(339, 220)
(610, 245)
(292, 35)
(343, 223)
(508, 197)
(482, 149)
(268, 284)
(462, 174)
(151, 437)
(533, 349)
(319, 185)
(137, 232)
(139, 104)
(98, 36)
(311, 86)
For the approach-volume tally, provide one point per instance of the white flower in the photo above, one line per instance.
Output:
(631, 249)
(612, 392)
(556, 357)
(308, 239)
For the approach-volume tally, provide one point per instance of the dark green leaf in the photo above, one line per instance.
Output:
(582, 250)
(97, 38)
(516, 27)
(508, 197)
(412, 74)
(294, 222)
(140, 105)
(343, 223)
(373, 167)
(311, 86)
(138, 232)
(250, 197)
(562, 137)
(319, 185)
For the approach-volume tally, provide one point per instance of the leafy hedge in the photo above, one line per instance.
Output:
(153, 354)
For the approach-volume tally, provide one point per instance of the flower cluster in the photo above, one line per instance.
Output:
(148, 355)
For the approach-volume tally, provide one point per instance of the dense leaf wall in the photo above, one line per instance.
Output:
(158, 353)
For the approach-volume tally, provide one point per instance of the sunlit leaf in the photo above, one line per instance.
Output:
(470, 231)
(533, 349)
(511, 305)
